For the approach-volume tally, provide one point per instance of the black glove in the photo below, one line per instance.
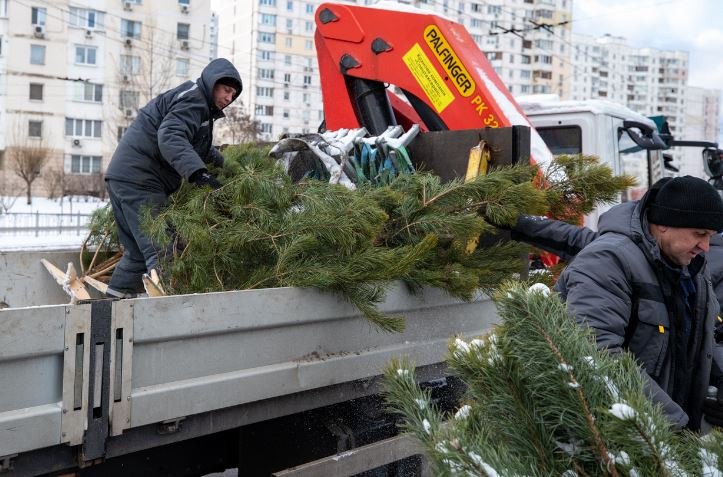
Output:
(202, 178)
(214, 157)
(713, 408)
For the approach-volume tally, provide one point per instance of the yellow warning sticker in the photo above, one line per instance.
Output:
(428, 78)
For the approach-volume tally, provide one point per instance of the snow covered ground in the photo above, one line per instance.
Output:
(70, 205)
(47, 239)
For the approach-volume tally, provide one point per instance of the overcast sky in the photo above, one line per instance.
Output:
(695, 26)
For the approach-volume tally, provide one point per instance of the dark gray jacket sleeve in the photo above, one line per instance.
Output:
(554, 236)
(597, 289)
(176, 132)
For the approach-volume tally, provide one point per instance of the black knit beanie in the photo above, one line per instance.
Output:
(687, 202)
(232, 82)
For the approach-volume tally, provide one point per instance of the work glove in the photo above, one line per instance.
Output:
(713, 408)
(214, 157)
(202, 178)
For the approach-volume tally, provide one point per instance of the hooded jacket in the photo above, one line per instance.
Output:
(620, 286)
(171, 137)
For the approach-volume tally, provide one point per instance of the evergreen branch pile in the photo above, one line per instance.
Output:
(588, 183)
(544, 400)
(262, 230)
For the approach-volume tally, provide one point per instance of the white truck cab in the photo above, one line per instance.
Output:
(625, 140)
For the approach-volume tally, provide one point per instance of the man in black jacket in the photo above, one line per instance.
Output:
(641, 292)
(170, 140)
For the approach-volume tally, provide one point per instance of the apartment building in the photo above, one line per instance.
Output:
(649, 81)
(74, 73)
(702, 113)
(272, 44)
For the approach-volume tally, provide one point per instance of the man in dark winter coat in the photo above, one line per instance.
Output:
(169, 141)
(642, 284)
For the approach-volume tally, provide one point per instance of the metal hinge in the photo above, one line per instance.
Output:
(170, 426)
(7, 462)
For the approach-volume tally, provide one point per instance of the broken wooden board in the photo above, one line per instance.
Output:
(152, 284)
(72, 285)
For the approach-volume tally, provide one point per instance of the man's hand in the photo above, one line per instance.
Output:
(713, 409)
(202, 178)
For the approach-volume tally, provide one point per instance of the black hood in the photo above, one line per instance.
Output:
(218, 69)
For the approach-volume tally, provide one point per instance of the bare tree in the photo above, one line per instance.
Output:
(237, 126)
(8, 193)
(55, 181)
(145, 69)
(29, 153)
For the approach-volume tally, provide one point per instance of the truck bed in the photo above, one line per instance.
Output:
(103, 379)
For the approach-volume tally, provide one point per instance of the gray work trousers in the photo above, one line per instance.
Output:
(140, 255)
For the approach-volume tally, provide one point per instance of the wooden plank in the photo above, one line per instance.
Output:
(357, 460)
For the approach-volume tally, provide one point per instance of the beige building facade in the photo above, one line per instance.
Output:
(272, 44)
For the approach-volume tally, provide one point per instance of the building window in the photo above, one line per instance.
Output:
(88, 92)
(287, 59)
(309, 44)
(524, 74)
(262, 110)
(307, 98)
(264, 91)
(286, 114)
(287, 95)
(84, 18)
(289, 42)
(310, 8)
(287, 77)
(476, 23)
(183, 31)
(307, 79)
(184, 2)
(268, 19)
(130, 65)
(270, 3)
(129, 99)
(309, 26)
(84, 164)
(289, 5)
(37, 54)
(546, 59)
(182, 66)
(266, 73)
(36, 91)
(266, 128)
(130, 29)
(289, 24)
(121, 131)
(83, 127)
(265, 37)
(38, 15)
(85, 55)
(266, 55)
(35, 128)
(494, 9)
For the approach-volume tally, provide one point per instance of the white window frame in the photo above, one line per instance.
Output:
(137, 28)
(183, 67)
(86, 50)
(87, 18)
(86, 165)
(130, 65)
(40, 14)
(84, 91)
(83, 128)
(37, 48)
